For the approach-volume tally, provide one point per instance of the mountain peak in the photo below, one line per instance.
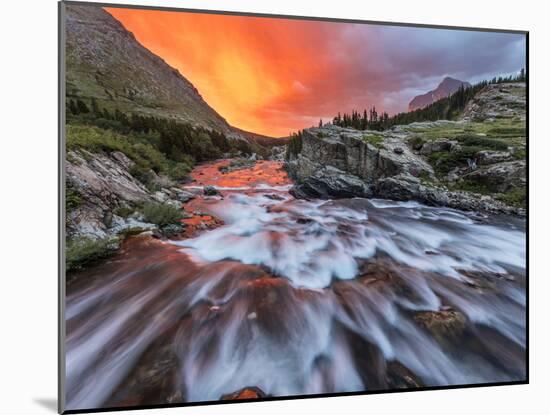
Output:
(445, 88)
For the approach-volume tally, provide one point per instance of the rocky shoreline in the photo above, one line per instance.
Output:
(405, 162)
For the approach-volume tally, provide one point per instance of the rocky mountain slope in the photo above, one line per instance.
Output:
(464, 164)
(447, 87)
(106, 62)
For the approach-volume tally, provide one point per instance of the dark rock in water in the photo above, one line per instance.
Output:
(157, 234)
(446, 326)
(184, 196)
(250, 392)
(274, 197)
(210, 191)
(399, 377)
(304, 220)
(398, 150)
(172, 229)
(410, 188)
(329, 182)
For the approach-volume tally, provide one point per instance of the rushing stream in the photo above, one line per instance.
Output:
(299, 297)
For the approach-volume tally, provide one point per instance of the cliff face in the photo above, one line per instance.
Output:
(463, 164)
(347, 155)
(447, 87)
(106, 62)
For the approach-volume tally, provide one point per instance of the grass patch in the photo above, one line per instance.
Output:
(374, 139)
(482, 142)
(520, 154)
(161, 214)
(504, 132)
(509, 130)
(83, 251)
(515, 197)
(470, 186)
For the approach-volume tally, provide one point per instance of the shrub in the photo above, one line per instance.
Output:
(84, 251)
(416, 142)
(374, 139)
(161, 214)
(73, 199)
(444, 161)
(179, 171)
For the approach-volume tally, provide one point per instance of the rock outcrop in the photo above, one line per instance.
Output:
(100, 184)
(342, 162)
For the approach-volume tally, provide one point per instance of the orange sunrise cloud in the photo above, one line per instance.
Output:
(274, 76)
(243, 67)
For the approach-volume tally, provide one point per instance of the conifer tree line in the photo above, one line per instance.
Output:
(365, 121)
(294, 146)
(446, 108)
(175, 139)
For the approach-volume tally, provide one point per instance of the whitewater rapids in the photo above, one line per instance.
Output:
(300, 297)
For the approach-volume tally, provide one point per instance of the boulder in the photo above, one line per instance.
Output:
(500, 177)
(160, 196)
(441, 144)
(184, 196)
(446, 326)
(491, 157)
(407, 187)
(210, 191)
(330, 182)
(121, 225)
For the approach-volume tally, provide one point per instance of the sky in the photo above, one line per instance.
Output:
(275, 76)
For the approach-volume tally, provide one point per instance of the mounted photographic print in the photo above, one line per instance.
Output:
(260, 207)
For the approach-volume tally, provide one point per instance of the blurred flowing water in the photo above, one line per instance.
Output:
(299, 297)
